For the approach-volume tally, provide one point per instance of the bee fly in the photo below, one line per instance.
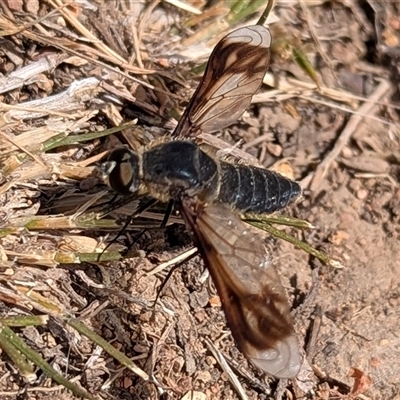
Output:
(211, 191)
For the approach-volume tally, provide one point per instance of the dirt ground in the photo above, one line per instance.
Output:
(341, 142)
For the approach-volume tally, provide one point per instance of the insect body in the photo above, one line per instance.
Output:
(211, 191)
(180, 168)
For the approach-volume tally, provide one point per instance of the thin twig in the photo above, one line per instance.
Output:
(366, 109)
(225, 366)
(314, 36)
(8, 139)
(176, 260)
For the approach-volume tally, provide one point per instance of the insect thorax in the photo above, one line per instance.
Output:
(177, 168)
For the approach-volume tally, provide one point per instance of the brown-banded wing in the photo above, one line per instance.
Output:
(234, 72)
(251, 293)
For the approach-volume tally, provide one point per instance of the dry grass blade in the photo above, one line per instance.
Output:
(80, 50)
(37, 159)
(69, 101)
(41, 303)
(8, 338)
(184, 6)
(366, 109)
(30, 73)
(228, 370)
(277, 233)
(69, 73)
(174, 261)
(70, 17)
(21, 363)
(109, 348)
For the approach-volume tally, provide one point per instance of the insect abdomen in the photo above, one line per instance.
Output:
(250, 189)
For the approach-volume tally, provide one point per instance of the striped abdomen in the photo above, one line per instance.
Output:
(250, 189)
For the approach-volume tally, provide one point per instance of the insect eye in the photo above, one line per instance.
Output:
(122, 169)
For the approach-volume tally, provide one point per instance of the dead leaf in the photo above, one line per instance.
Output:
(362, 382)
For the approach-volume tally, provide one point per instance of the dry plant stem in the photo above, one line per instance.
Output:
(315, 331)
(146, 16)
(298, 243)
(25, 320)
(42, 364)
(111, 350)
(87, 34)
(29, 74)
(4, 8)
(9, 335)
(136, 47)
(87, 221)
(227, 369)
(35, 21)
(37, 159)
(176, 260)
(278, 219)
(347, 110)
(184, 6)
(314, 35)
(26, 109)
(69, 100)
(85, 52)
(16, 357)
(288, 88)
(367, 108)
(68, 258)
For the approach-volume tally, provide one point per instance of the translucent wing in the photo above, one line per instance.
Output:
(252, 295)
(234, 72)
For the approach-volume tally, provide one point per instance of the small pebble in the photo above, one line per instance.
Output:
(215, 301)
(274, 149)
(347, 152)
(203, 376)
(362, 194)
(339, 237)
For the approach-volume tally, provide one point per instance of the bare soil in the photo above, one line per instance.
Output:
(343, 146)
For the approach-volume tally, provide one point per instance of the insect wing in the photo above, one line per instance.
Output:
(251, 293)
(234, 72)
